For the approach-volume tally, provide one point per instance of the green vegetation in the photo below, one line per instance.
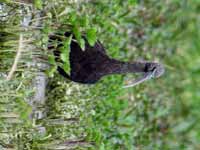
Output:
(161, 114)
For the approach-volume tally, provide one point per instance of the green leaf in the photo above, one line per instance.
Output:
(78, 36)
(67, 42)
(132, 2)
(38, 4)
(84, 21)
(65, 50)
(66, 67)
(23, 108)
(46, 29)
(51, 71)
(102, 146)
(77, 33)
(63, 57)
(51, 59)
(6, 1)
(91, 36)
(73, 18)
(82, 44)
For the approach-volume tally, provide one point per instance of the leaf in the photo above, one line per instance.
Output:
(63, 57)
(91, 36)
(51, 71)
(132, 2)
(51, 59)
(67, 42)
(82, 44)
(77, 33)
(46, 29)
(66, 49)
(84, 21)
(102, 146)
(73, 18)
(78, 37)
(38, 4)
(6, 1)
(65, 53)
(66, 67)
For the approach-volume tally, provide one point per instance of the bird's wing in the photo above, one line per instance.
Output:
(98, 46)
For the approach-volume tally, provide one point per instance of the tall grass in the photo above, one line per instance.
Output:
(158, 114)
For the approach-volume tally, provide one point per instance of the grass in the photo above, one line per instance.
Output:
(161, 114)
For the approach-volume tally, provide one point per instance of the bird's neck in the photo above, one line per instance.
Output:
(120, 67)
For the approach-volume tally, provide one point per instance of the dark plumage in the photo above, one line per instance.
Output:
(89, 65)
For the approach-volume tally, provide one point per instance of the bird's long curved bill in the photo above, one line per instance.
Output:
(145, 77)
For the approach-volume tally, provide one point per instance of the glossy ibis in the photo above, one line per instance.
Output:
(90, 65)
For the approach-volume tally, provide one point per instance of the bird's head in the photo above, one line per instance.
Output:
(155, 69)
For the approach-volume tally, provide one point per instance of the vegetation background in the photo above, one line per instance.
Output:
(161, 114)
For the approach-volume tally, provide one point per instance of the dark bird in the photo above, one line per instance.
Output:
(90, 65)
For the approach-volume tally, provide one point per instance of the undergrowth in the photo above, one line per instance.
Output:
(159, 114)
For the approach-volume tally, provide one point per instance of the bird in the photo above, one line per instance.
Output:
(88, 66)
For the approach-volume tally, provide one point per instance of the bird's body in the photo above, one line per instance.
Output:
(89, 65)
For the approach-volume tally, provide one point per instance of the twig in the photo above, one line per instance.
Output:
(14, 66)
(41, 18)
(21, 3)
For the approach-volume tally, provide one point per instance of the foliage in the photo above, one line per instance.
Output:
(158, 114)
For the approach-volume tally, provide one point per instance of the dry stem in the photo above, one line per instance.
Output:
(14, 66)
